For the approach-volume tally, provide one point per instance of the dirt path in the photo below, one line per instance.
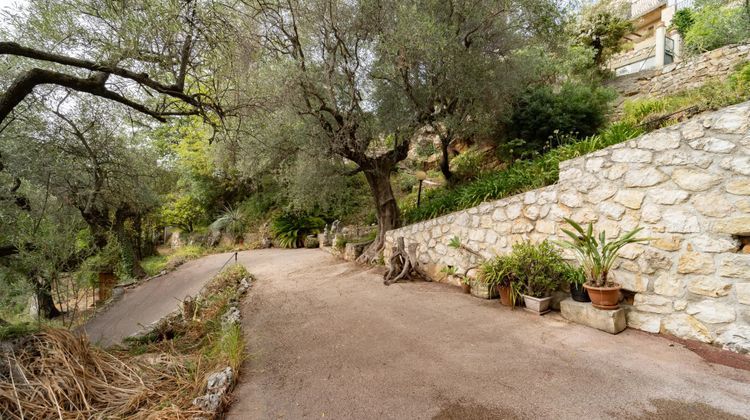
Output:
(327, 339)
(152, 300)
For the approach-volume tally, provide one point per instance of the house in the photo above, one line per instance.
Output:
(651, 44)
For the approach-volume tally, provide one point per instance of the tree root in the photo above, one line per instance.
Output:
(403, 263)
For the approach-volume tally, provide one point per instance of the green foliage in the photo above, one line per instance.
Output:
(291, 229)
(232, 223)
(340, 243)
(154, 264)
(406, 181)
(519, 177)
(716, 24)
(595, 253)
(21, 329)
(603, 29)
(541, 112)
(468, 165)
(107, 260)
(533, 269)
(652, 113)
(184, 212)
(682, 21)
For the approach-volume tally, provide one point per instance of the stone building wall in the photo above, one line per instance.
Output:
(688, 186)
(691, 73)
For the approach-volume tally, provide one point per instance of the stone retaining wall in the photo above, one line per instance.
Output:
(691, 73)
(687, 185)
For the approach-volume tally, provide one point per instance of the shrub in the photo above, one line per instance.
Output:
(467, 165)
(682, 21)
(290, 229)
(715, 25)
(541, 113)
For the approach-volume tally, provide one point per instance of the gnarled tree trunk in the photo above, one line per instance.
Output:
(43, 292)
(387, 211)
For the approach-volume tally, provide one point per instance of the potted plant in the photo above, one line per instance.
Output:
(539, 270)
(596, 255)
(497, 272)
(575, 278)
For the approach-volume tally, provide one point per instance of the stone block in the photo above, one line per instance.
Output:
(643, 321)
(483, 290)
(583, 313)
(739, 186)
(734, 226)
(737, 266)
(694, 180)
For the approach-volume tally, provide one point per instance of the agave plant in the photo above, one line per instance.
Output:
(594, 252)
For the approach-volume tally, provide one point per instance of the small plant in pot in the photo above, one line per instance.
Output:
(596, 255)
(499, 274)
(575, 278)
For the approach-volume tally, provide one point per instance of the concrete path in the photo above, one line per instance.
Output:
(152, 300)
(328, 340)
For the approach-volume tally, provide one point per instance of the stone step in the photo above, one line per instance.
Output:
(585, 314)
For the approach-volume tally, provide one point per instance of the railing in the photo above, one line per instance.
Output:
(641, 7)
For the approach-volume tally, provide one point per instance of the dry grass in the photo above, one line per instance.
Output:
(58, 374)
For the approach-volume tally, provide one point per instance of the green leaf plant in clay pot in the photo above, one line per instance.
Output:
(498, 273)
(596, 255)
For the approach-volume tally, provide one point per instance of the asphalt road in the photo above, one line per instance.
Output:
(152, 300)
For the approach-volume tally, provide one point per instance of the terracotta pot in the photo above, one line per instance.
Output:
(504, 292)
(466, 287)
(604, 297)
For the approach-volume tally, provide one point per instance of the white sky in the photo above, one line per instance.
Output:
(10, 4)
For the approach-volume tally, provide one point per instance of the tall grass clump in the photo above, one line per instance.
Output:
(653, 113)
(520, 176)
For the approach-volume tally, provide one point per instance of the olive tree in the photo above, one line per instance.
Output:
(322, 52)
(452, 64)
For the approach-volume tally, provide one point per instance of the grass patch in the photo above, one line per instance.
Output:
(11, 331)
(155, 264)
(653, 113)
(520, 176)
(156, 375)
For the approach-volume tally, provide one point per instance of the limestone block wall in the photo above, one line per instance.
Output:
(690, 73)
(687, 185)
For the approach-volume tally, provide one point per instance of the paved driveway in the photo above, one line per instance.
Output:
(152, 300)
(328, 340)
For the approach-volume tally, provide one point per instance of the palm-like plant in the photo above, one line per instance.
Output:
(232, 222)
(594, 253)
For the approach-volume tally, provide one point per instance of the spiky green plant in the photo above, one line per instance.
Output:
(232, 222)
(594, 252)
